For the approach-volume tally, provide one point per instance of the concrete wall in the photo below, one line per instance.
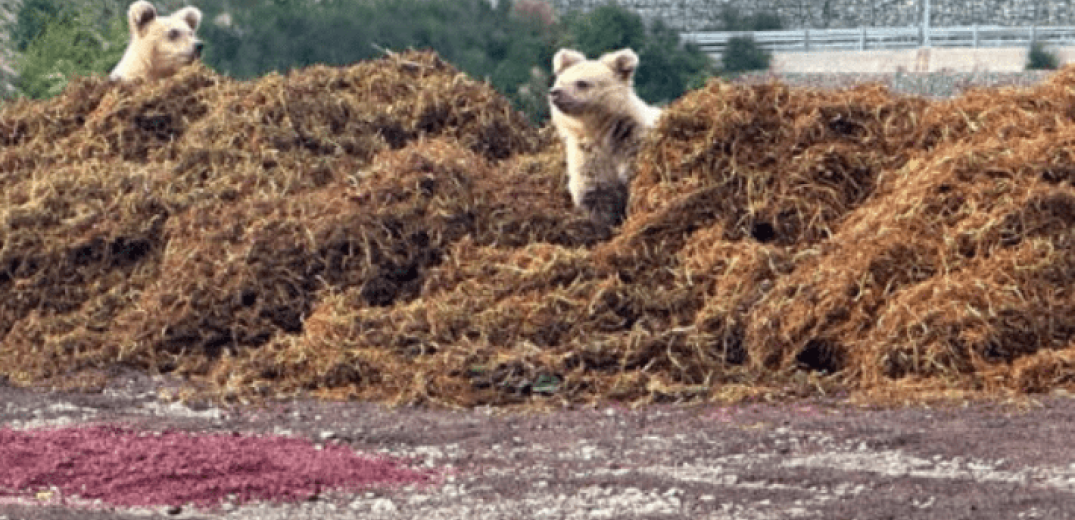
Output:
(692, 15)
(915, 60)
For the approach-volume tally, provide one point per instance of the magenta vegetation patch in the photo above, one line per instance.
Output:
(136, 468)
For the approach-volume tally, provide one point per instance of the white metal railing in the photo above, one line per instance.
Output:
(874, 38)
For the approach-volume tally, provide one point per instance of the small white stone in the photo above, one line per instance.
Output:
(383, 505)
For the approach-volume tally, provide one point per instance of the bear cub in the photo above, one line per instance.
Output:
(602, 122)
(160, 45)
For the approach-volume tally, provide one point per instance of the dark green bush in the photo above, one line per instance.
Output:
(32, 18)
(59, 40)
(743, 54)
(511, 48)
(606, 28)
(507, 47)
(1039, 58)
(667, 67)
(486, 42)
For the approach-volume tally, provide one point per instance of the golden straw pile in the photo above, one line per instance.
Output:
(394, 231)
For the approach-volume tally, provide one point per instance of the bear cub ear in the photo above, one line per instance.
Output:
(139, 16)
(565, 58)
(622, 62)
(191, 15)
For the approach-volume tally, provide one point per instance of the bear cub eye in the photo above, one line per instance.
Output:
(583, 85)
(173, 34)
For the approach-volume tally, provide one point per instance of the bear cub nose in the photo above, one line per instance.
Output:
(198, 48)
(556, 95)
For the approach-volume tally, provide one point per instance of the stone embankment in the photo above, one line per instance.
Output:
(695, 15)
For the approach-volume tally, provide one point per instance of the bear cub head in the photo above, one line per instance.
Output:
(160, 45)
(586, 87)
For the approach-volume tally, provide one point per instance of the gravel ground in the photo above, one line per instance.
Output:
(808, 459)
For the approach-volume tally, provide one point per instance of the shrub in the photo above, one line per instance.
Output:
(57, 39)
(510, 45)
(668, 67)
(32, 18)
(65, 46)
(1038, 58)
(498, 44)
(606, 28)
(743, 54)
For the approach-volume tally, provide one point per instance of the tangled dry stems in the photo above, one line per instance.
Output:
(394, 231)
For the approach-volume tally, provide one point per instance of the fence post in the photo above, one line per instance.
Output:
(925, 24)
(862, 38)
(1033, 34)
(806, 39)
(975, 32)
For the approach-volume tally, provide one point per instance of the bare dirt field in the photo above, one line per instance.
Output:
(815, 458)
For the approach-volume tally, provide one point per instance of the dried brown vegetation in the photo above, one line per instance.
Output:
(394, 231)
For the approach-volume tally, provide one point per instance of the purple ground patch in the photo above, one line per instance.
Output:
(136, 468)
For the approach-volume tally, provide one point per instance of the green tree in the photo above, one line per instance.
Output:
(487, 42)
(1039, 58)
(281, 34)
(33, 17)
(604, 29)
(743, 54)
(67, 44)
(248, 38)
(669, 68)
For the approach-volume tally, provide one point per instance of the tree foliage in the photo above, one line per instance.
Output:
(33, 17)
(606, 28)
(60, 39)
(743, 54)
(667, 67)
(509, 45)
(486, 42)
(1040, 58)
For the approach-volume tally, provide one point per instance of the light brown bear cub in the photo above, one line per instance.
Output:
(159, 45)
(602, 122)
